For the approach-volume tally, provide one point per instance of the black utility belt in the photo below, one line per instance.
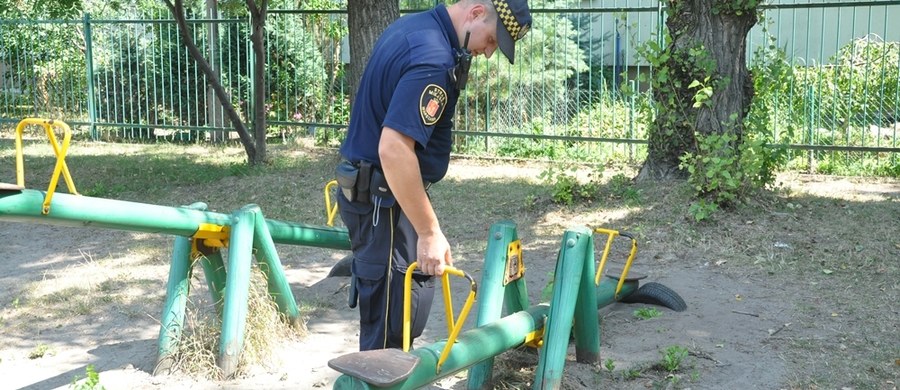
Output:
(362, 181)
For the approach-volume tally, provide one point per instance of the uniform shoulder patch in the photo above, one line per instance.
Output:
(432, 104)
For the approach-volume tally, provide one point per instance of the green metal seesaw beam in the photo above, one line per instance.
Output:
(84, 211)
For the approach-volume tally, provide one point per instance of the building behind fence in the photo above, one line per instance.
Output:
(575, 92)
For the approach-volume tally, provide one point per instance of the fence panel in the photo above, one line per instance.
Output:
(832, 68)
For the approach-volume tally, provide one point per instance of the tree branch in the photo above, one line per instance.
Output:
(177, 10)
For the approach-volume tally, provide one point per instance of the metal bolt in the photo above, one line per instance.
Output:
(570, 243)
(498, 235)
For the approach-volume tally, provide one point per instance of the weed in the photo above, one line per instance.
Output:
(702, 209)
(609, 364)
(565, 186)
(91, 380)
(622, 187)
(646, 313)
(673, 356)
(632, 374)
(39, 351)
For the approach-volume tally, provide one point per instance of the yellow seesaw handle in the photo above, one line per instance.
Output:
(453, 326)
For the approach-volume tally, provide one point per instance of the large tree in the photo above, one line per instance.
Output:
(367, 19)
(255, 143)
(701, 85)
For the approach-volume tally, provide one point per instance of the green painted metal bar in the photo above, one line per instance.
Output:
(492, 293)
(566, 285)
(214, 270)
(177, 290)
(237, 282)
(213, 267)
(587, 320)
(82, 211)
(270, 264)
(478, 344)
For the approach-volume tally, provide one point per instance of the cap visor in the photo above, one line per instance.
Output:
(506, 43)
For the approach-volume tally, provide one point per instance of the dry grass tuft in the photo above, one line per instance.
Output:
(265, 330)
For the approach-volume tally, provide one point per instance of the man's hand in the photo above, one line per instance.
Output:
(433, 254)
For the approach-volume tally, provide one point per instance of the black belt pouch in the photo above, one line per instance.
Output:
(347, 174)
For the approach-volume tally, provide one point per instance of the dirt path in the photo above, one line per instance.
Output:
(72, 297)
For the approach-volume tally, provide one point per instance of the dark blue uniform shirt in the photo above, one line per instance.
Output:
(406, 86)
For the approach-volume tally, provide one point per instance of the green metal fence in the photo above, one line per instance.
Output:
(833, 70)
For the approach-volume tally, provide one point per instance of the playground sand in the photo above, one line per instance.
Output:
(768, 290)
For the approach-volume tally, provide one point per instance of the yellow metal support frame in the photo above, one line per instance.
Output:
(453, 325)
(331, 207)
(612, 236)
(59, 150)
(213, 236)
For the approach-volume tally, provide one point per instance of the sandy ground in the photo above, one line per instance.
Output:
(733, 324)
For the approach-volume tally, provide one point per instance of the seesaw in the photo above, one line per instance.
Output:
(579, 289)
(200, 236)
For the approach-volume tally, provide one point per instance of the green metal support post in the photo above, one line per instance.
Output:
(237, 290)
(177, 290)
(214, 270)
(491, 293)
(270, 264)
(213, 266)
(566, 286)
(587, 320)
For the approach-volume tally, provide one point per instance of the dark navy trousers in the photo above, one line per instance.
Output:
(383, 242)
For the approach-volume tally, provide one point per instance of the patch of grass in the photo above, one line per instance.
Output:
(40, 351)
(91, 380)
(622, 187)
(631, 374)
(673, 357)
(609, 364)
(646, 313)
(76, 301)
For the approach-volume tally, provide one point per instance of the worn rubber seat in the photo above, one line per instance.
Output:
(379, 368)
(615, 273)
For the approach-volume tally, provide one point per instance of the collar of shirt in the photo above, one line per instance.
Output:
(443, 17)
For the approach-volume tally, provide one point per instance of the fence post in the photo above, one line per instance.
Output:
(89, 72)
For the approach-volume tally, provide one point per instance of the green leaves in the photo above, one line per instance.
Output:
(723, 172)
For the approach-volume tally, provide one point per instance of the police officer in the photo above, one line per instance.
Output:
(398, 143)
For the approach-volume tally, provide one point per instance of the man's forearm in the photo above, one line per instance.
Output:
(401, 169)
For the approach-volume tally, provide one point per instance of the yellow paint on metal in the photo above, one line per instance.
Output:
(59, 150)
(612, 235)
(515, 265)
(214, 236)
(535, 339)
(454, 326)
(331, 208)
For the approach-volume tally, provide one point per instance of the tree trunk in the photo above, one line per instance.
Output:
(213, 106)
(708, 45)
(367, 20)
(253, 157)
(258, 38)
